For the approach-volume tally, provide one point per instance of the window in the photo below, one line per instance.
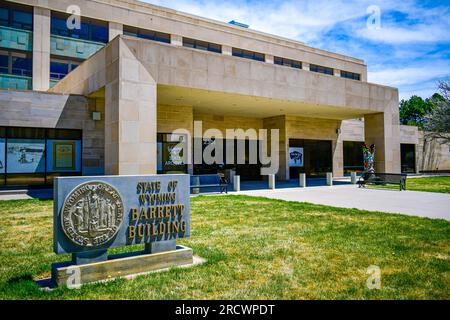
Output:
(36, 155)
(350, 75)
(90, 29)
(16, 63)
(321, 69)
(146, 34)
(408, 158)
(59, 68)
(317, 157)
(16, 16)
(202, 45)
(170, 157)
(353, 156)
(248, 54)
(287, 62)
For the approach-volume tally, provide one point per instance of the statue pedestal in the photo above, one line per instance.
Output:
(118, 266)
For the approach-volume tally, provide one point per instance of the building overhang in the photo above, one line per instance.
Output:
(224, 84)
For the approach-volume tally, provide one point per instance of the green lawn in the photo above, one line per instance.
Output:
(432, 184)
(255, 249)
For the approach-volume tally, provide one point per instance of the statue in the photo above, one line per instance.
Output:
(369, 159)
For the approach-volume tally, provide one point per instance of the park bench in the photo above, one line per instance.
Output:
(209, 181)
(383, 179)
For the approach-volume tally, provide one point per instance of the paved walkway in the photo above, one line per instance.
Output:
(415, 203)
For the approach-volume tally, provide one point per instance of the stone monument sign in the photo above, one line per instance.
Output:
(93, 214)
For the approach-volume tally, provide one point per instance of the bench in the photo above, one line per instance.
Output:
(210, 181)
(383, 179)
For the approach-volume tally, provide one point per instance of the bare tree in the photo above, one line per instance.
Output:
(437, 122)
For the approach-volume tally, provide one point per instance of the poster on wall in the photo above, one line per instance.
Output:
(25, 155)
(295, 157)
(63, 155)
(2, 155)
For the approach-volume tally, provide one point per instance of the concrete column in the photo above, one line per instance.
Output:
(226, 50)
(176, 40)
(237, 183)
(336, 72)
(353, 177)
(338, 155)
(302, 180)
(114, 30)
(329, 179)
(41, 49)
(130, 114)
(269, 58)
(383, 130)
(271, 178)
(305, 66)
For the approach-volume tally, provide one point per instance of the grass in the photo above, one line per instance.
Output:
(255, 249)
(431, 184)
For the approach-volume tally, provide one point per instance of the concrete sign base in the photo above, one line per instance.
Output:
(119, 266)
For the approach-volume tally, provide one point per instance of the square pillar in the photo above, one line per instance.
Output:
(41, 49)
(305, 66)
(130, 114)
(383, 130)
(176, 40)
(338, 158)
(227, 50)
(269, 58)
(114, 30)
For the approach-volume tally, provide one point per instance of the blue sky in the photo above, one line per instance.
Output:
(410, 50)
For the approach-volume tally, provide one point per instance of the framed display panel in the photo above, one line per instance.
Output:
(25, 156)
(63, 155)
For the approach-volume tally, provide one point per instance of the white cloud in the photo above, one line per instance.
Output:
(410, 75)
(410, 32)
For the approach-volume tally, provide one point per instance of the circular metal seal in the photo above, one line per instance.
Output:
(91, 214)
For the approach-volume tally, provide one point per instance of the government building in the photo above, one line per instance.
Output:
(102, 94)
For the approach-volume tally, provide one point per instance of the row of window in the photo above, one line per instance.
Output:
(95, 30)
(16, 63)
(16, 16)
(21, 64)
(350, 75)
(146, 34)
(89, 29)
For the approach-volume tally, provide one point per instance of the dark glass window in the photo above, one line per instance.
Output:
(4, 16)
(408, 158)
(4, 62)
(287, 62)
(321, 69)
(317, 157)
(22, 64)
(353, 156)
(169, 157)
(202, 45)
(146, 34)
(248, 54)
(350, 75)
(59, 68)
(17, 63)
(90, 29)
(22, 19)
(16, 16)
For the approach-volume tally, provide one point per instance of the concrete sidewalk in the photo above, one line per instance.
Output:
(414, 203)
